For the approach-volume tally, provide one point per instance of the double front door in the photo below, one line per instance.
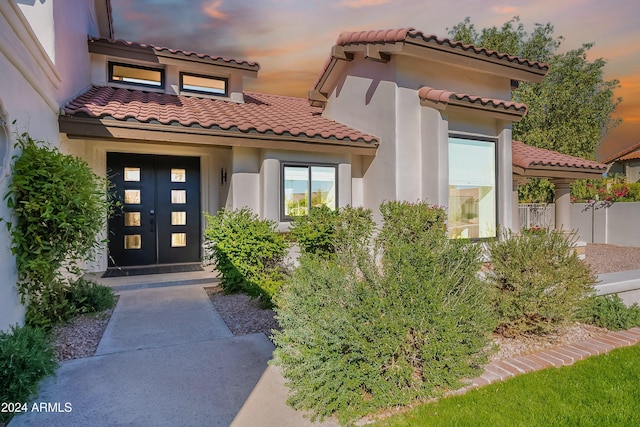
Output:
(157, 218)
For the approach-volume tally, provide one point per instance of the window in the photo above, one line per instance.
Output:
(472, 188)
(308, 185)
(136, 75)
(203, 84)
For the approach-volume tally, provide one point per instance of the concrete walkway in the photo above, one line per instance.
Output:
(167, 359)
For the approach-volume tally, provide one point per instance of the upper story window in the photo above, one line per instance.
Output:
(207, 85)
(136, 75)
(307, 185)
(472, 188)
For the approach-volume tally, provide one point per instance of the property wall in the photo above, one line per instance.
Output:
(615, 225)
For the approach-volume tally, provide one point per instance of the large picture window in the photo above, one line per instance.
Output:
(307, 185)
(472, 188)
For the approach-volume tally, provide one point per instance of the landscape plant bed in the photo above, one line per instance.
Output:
(242, 314)
(80, 337)
(599, 391)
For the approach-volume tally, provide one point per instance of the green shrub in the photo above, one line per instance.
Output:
(315, 233)
(634, 191)
(89, 297)
(248, 252)
(393, 326)
(609, 311)
(536, 190)
(60, 302)
(52, 306)
(60, 208)
(26, 357)
(538, 282)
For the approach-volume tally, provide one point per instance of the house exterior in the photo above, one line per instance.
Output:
(43, 63)
(393, 115)
(626, 162)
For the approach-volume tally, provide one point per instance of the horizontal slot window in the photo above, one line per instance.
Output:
(203, 84)
(136, 75)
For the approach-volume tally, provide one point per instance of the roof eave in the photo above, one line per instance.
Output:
(382, 52)
(567, 172)
(149, 54)
(455, 105)
(109, 128)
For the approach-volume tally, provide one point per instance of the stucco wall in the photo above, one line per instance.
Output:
(27, 97)
(615, 225)
(412, 160)
(256, 180)
(365, 99)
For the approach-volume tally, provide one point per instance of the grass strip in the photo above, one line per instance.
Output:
(599, 391)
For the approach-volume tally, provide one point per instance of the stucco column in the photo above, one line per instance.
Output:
(270, 189)
(563, 205)
(344, 185)
(515, 206)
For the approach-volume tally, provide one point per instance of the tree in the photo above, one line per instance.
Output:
(570, 111)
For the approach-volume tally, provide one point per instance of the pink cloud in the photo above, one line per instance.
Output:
(503, 10)
(213, 10)
(356, 4)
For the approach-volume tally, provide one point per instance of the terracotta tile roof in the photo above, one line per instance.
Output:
(404, 34)
(623, 153)
(260, 113)
(440, 96)
(631, 156)
(526, 156)
(176, 52)
(410, 35)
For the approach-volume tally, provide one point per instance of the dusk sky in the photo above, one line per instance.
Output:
(291, 39)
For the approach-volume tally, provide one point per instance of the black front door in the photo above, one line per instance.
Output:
(157, 220)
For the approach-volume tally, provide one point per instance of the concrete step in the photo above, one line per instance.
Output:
(128, 283)
(624, 283)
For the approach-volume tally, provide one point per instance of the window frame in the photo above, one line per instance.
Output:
(308, 165)
(204, 76)
(139, 67)
(482, 138)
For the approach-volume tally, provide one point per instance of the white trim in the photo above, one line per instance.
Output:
(20, 45)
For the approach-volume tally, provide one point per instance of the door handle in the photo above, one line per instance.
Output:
(152, 220)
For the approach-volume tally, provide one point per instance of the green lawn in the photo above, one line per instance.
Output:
(599, 391)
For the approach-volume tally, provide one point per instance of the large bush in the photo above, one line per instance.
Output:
(26, 356)
(381, 325)
(247, 251)
(59, 208)
(315, 233)
(539, 283)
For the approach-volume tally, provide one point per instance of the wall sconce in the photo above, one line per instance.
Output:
(223, 176)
